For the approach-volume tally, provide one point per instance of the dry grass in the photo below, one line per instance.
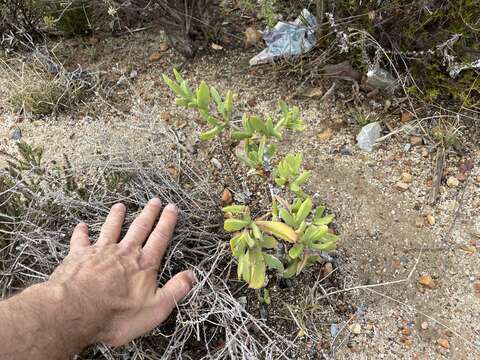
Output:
(39, 207)
(37, 84)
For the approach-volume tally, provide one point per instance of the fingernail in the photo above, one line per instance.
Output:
(171, 207)
(119, 206)
(192, 277)
(155, 201)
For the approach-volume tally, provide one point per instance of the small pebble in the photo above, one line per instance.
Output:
(443, 343)
(452, 182)
(416, 140)
(427, 281)
(16, 134)
(424, 325)
(355, 328)
(430, 219)
(216, 163)
(402, 186)
(407, 178)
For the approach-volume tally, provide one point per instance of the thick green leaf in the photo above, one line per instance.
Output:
(249, 240)
(241, 135)
(231, 225)
(324, 220)
(256, 231)
(216, 97)
(304, 210)
(258, 268)
(294, 188)
(295, 251)
(266, 297)
(319, 212)
(243, 268)
(288, 218)
(178, 76)
(235, 209)
(272, 262)
(238, 245)
(181, 102)
(269, 242)
(300, 180)
(172, 85)
(228, 106)
(319, 233)
(210, 134)
(279, 230)
(280, 181)
(291, 269)
(258, 124)
(203, 95)
(324, 246)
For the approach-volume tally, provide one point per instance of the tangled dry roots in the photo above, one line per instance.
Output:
(38, 209)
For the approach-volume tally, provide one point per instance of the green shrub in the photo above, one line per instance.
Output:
(255, 241)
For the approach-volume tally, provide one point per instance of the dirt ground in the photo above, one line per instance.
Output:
(386, 245)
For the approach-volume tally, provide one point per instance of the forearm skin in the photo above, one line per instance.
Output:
(42, 323)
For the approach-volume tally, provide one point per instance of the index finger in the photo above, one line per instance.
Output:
(158, 240)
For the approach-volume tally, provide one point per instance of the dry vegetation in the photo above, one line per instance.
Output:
(40, 203)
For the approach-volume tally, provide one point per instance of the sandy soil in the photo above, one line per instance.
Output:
(383, 252)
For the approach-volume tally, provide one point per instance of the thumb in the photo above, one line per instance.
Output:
(174, 291)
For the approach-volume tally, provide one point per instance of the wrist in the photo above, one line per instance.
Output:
(64, 315)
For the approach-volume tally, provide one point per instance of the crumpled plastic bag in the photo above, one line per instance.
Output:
(288, 39)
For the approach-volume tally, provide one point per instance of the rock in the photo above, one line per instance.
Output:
(476, 287)
(430, 219)
(172, 170)
(345, 151)
(425, 153)
(217, 47)
(424, 325)
(133, 74)
(419, 222)
(416, 140)
(452, 182)
(368, 136)
(165, 116)
(401, 186)
(443, 343)
(216, 163)
(164, 46)
(406, 117)
(355, 328)
(327, 269)
(427, 281)
(16, 133)
(227, 197)
(252, 37)
(407, 178)
(478, 179)
(406, 331)
(325, 134)
(154, 57)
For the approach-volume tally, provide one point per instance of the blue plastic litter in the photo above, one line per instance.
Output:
(288, 39)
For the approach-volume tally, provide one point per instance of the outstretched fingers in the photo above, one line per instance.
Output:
(173, 292)
(79, 239)
(142, 225)
(158, 240)
(112, 227)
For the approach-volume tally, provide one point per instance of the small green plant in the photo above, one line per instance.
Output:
(73, 17)
(217, 111)
(259, 244)
(288, 173)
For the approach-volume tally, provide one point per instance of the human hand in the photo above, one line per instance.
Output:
(110, 288)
